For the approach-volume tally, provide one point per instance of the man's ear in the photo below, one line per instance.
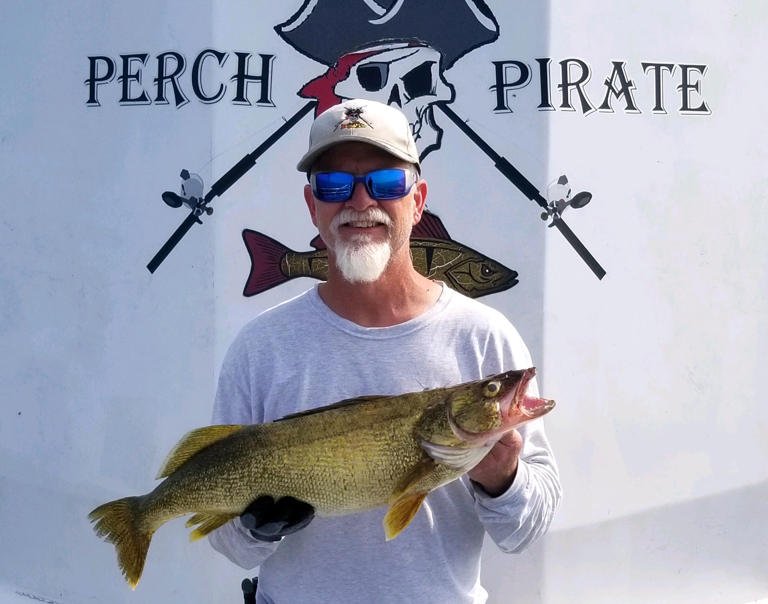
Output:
(310, 200)
(419, 199)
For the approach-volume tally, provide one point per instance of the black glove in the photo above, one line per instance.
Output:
(270, 520)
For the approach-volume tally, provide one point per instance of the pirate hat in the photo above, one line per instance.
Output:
(325, 30)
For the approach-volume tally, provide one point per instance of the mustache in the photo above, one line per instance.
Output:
(352, 215)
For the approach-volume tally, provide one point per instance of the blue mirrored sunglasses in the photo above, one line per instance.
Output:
(382, 185)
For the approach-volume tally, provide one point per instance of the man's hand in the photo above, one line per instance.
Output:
(496, 472)
(270, 520)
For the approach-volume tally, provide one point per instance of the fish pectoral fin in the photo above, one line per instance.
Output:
(460, 458)
(408, 497)
(207, 523)
(401, 512)
(416, 480)
(193, 442)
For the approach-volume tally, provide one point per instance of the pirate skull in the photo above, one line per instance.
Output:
(410, 77)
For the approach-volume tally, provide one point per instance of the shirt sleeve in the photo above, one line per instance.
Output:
(234, 405)
(523, 513)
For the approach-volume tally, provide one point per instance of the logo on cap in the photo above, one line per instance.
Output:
(353, 119)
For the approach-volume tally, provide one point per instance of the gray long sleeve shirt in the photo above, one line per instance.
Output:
(300, 355)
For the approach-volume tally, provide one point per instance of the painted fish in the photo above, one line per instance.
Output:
(355, 455)
(435, 255)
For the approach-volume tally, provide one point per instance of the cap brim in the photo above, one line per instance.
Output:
(309, 158)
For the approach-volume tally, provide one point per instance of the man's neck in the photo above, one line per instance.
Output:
(396, 297)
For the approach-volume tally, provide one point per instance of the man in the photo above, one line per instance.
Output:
(377, 326)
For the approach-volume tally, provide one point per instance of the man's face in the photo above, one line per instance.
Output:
(363, 230)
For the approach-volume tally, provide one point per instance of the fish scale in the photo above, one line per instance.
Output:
(348, 457)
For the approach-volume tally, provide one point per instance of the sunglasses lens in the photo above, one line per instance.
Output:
(386, 184)
(382, 185)
(333, 186)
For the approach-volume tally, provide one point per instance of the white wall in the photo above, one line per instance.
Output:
(103, 365)
(659, 431)
(660, 434)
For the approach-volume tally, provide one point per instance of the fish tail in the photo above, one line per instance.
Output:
(266, 256)
(119, 523)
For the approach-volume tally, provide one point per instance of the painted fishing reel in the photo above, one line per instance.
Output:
(191, 195)
(559, 196)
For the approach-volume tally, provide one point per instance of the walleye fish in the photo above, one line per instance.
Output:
(435, 255)
(351, 456)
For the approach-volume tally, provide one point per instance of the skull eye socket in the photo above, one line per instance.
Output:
(418, 81)
(373, 76)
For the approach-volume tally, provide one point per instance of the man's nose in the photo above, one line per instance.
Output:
(360, 199)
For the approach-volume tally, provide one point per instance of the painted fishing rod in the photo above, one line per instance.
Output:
(249, 587)
(200, 205)
(526, 188)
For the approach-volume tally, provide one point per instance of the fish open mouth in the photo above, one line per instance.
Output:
(513, 405)
(530, 406)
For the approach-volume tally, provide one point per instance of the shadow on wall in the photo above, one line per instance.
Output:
(709, 550)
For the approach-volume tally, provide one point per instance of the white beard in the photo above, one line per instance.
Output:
(360, 260)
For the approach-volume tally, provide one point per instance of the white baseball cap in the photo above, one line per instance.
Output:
(360, 120)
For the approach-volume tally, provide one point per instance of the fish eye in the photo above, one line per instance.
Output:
(485, 270)
(492, 389)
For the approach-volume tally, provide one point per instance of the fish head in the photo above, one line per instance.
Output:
(478, 275)
(482, 411)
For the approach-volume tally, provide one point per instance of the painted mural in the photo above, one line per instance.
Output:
(168, 131)
(395, 52)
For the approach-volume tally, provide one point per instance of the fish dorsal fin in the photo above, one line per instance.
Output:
(207, 523)
(345, 403)
(401, 512)
(460, 458)
(430, 227)
(193, 442)
(318, 243)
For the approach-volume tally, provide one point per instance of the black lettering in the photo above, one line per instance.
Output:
(164, 78)
(626, 86)
(502, 87)
(197, 68)
(546, 104)
(566, 85)
(686, 86)
(126, 78)
(658, 84)
(95, 79)
(243, 79)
